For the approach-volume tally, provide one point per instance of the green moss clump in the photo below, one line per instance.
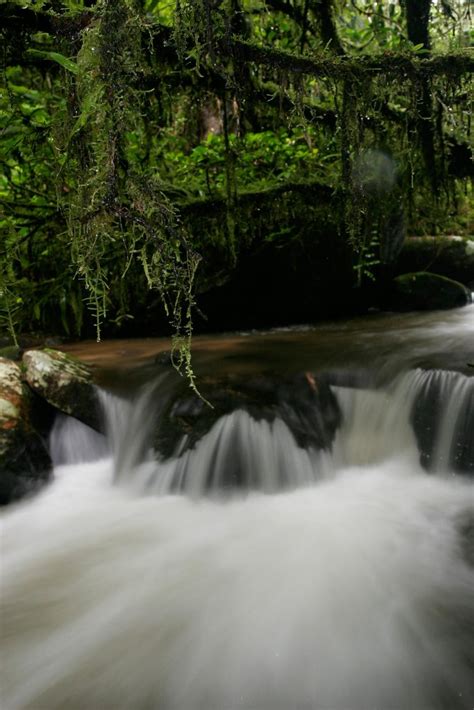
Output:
(425, 291)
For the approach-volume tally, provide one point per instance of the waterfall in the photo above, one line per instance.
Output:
(71, 441)
(444, 420)
(248, 570)
(420, 415)
(241, 452)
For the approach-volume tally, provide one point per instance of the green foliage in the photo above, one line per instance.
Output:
(262, 159)
(367, 258)
(55, 57)
(10, 304)
(112, 125)
(34, 268)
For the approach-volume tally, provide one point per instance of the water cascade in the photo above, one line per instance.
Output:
(248, 571)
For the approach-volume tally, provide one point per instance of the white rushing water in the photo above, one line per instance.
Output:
(351, 590)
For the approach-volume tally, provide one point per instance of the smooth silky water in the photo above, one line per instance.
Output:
(340, 580)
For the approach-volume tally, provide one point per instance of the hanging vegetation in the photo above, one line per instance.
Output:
(123, 123)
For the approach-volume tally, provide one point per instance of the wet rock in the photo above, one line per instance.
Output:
(24, 459)
(66, 383)
(305, 403)
(426, 291)
(445, 402)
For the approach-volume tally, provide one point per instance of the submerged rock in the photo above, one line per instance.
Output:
(423, 290)
(66, 383)
(306, 404)
(24, 459)
(254, 435)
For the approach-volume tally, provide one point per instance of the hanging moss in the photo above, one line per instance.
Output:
(116, 215)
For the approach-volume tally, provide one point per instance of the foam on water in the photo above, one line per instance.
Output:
(351, 589)
(354, 593)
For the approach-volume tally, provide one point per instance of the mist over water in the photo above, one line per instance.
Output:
(338, 580)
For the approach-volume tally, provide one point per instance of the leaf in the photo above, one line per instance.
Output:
(87, 110)
(24, 91)
(65, 62)
(63, 311)
(419, 49)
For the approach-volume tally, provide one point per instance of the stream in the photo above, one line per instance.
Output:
(338, 578)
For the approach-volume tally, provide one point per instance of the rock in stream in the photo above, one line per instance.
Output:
(66, 383)
(24, 459)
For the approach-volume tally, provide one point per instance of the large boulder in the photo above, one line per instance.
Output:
(246, 444)
(451, 256)
(305, 403)
(423, 290)
(66, 383)
(24, 459)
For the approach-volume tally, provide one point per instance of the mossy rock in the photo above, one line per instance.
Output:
(452, 257)
(420, 291)
(10, 352)
(24, 460)
(66, 383)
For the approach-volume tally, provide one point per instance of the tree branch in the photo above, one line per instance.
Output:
(313, 188)
(398, 64)
(18, 19)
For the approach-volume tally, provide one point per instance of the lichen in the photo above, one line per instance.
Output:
(64, 382)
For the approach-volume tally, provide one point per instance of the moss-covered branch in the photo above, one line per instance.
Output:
(14, 17)
(314, 188)
(403, 64)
